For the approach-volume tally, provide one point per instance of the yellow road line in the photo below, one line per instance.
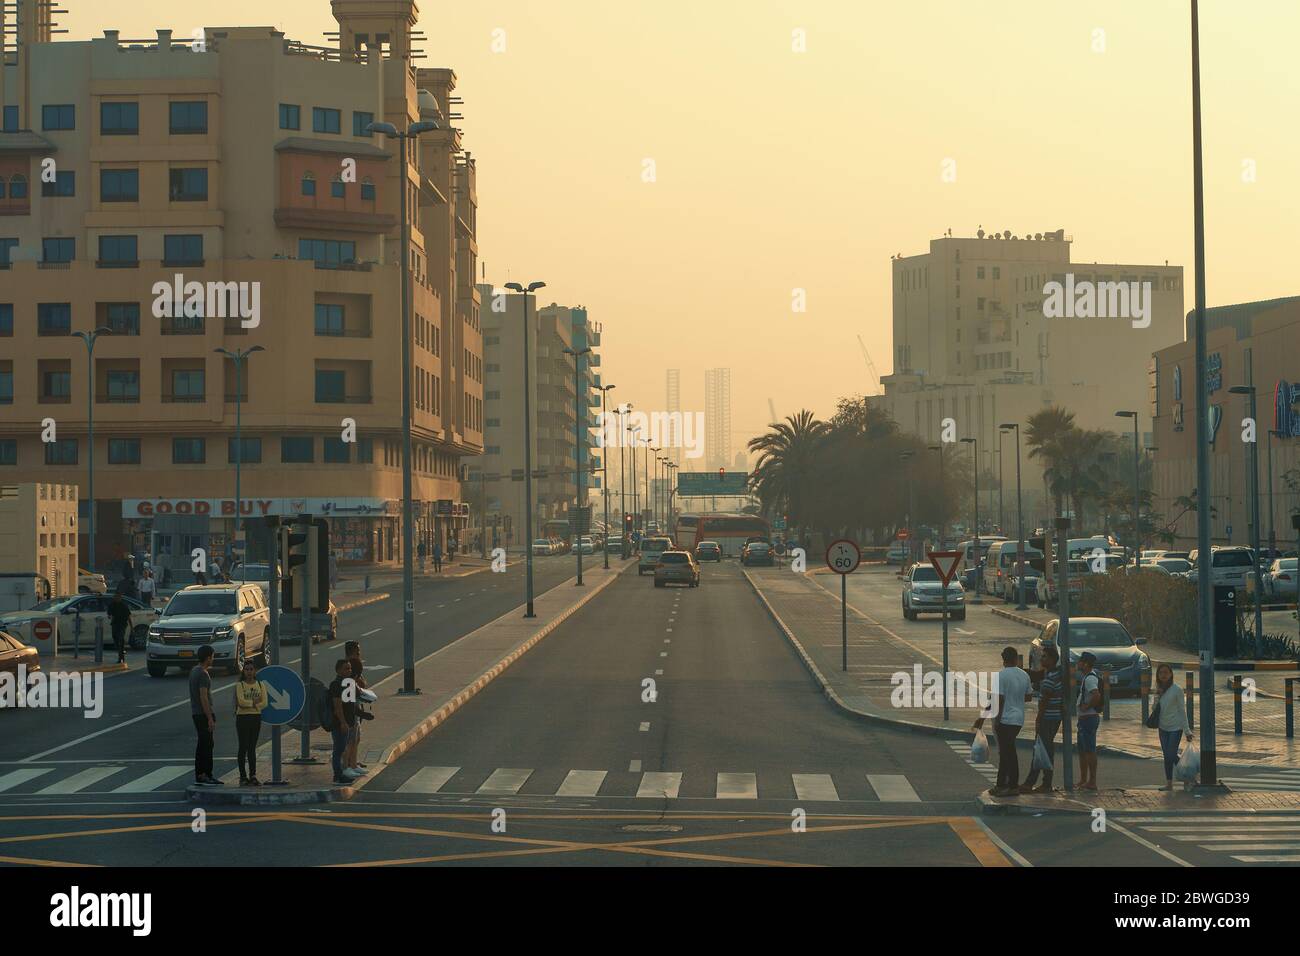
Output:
(977, 841)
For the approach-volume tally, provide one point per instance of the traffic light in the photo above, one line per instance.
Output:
(627, 523)
(304, 550)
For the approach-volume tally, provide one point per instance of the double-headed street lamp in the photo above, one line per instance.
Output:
(906, 458)
(238, 356)
(579, 422)
(408, 518)
(943, 518)
(89, 338)
(1137, 493)
(636, 501)
(975, 443)
(651, 492)
(623, 542)
(1020, 523)
(604, 470)
(1252, 462)
(528, 448)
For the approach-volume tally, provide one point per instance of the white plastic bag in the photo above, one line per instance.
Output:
(979, 748)
(1041, 759)
(1189, 764)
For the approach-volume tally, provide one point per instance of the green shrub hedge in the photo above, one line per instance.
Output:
(1162, 609)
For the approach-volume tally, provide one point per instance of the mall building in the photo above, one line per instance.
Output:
(193, 196)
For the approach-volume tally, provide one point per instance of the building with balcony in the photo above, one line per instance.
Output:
(224, 194)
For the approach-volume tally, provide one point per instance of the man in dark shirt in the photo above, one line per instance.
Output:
(205, 719)
(343, 705)
(119, 618)
(1049, 717)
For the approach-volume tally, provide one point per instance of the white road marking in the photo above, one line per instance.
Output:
(663, 653)
(737, 786)
(581, 783)
(814, 786)
(1276, 858)
(154, 779)
(374, 631)
(1002, 844)
(16, 778)
(892, 788)
(659, 673)
(504, 780)
(422, 613)
(658, 784)
(1138, 840)
(80, 781)
(428, 780)
(645, 725)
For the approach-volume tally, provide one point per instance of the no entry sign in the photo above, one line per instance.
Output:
(42, 630)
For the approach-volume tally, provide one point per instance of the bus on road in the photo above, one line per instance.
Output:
(731, 531)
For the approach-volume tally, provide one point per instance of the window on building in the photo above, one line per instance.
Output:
(63, 116)
(119, 119)
(18, 187)
(367, 190)
(328, 253)
(6, 386)
(123, 386)
(359, 123)
(8, 451)
(122, 318)
(58, 249)
(119, 185)
(188, 185)
(188, 118)
(6, 318)
(331, 386)
(63, 451)
(56, 385)
(979, 272)
(182, 250)
(11, 119)
(329, 319)
(124, 451)
(297, 450)
(997, 272)
(290, 116)
(324, 120)
(337, 189)
(189, 451)
(64, 185)
(337, 451)
(249, 451)
(308, 184)
(491, 395)
(979, 304)
(118, 251)
(188, 385)
(366, 451)
(54, 318)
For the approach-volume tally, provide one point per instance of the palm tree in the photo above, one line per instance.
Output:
(1045, 434)
(783, 475)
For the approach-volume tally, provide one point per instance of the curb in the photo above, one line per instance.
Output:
(265, 796)
(426, 726)
(1063, 805)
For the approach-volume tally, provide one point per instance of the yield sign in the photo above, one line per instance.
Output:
(946, 562)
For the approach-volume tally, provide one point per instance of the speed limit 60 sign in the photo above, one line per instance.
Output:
(843, 556)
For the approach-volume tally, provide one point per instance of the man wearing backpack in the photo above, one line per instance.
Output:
(342, 714)
(1089, 720)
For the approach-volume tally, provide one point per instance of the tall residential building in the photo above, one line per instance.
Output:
(241, 159)
(673, 405)
(553, 413)
(717, 418)
(972, 343)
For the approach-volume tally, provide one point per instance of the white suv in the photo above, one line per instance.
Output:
(233, 618)
(1229, 566)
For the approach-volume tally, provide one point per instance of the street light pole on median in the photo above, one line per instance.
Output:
(604, 471)
(89, 338)
(975, 443)
(943, 502)
(528, 450)
(238, 356)
(1020, 524)
(1137, 491)
(579, 415)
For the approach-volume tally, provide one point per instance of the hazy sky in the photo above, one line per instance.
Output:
(778, 170)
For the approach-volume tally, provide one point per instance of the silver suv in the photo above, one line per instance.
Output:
(923, 594)
(233, 618)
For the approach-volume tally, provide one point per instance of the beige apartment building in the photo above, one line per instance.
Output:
(233, 171)
(554, 328)
(1247, 344)
(38, 533)
(972, 343)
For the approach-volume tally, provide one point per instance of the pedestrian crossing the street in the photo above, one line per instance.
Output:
(989, 771)
(1254, 838)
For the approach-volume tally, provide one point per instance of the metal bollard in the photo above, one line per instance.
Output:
(1189, 693)
(99, 640)
(1105, 695)
(76, 635)
(1290, 707)
(1145, 691)
(1236, 704)
(367, 584)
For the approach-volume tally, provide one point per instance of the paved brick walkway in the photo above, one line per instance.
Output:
(1143, 802)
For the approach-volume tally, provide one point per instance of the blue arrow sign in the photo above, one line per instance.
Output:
(285, 694)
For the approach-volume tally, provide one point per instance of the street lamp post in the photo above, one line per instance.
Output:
(1272, 529)
(623, 542)
(1137, 491)
(1020, 524)
(412, 132)
(906, 458)
(975, 443)
(89, 338)
(238, 356)
(943, 517)
(604, 472)
(1002, 521)
(528, 449)
(632, 430)
(579, 414)
(651, 492)
(1253, 463)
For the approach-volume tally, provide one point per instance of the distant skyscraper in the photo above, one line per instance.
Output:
(717, 417)
(673, 440)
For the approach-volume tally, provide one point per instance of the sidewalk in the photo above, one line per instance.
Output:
(1145, 803)
(810, 617)
(446, 679)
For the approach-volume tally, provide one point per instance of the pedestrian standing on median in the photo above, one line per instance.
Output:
(1089, 704)
(1170, 719)
(352, 651)
(119, 617)
(204, 717)
(1048, 721)
(1013, 690)
(344, 711)
(250, 701)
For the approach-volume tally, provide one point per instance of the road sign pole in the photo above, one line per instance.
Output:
(945, 651)
(844, 622)
(273, 588)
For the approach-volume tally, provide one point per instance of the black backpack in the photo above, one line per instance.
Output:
(322, 710)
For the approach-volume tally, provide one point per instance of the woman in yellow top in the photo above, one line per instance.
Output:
(250, 699)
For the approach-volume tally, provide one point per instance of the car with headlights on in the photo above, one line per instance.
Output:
(233, 618)
(923, 593)
(677, 567)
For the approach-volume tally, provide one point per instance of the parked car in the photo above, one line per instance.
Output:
(708, 551)
(1049, 589)
(88, 606)
(233, 618)
(90, 583)
(1033, 580)
(923, 594)
(757, 552)
(542, 547)
(651, 548)
(897, 553)
(585, 545)
(1229, 566)
(1119, 656)
(1280, 581)
(613, 543)
(14, 652)
(1186, 555)
(677, 566)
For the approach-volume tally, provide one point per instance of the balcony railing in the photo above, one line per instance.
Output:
(344, 333)
(182, 325)
(117, 264)
(53, 265)
(184, 399)
(104, 398)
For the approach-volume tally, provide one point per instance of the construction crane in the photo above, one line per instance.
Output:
(871, 366)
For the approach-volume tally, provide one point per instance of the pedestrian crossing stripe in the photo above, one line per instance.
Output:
(1253, 839)
(986, 770)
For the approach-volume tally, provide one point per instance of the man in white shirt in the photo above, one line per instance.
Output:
(1013, 691)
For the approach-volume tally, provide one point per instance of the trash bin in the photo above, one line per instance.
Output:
(1225, 621)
